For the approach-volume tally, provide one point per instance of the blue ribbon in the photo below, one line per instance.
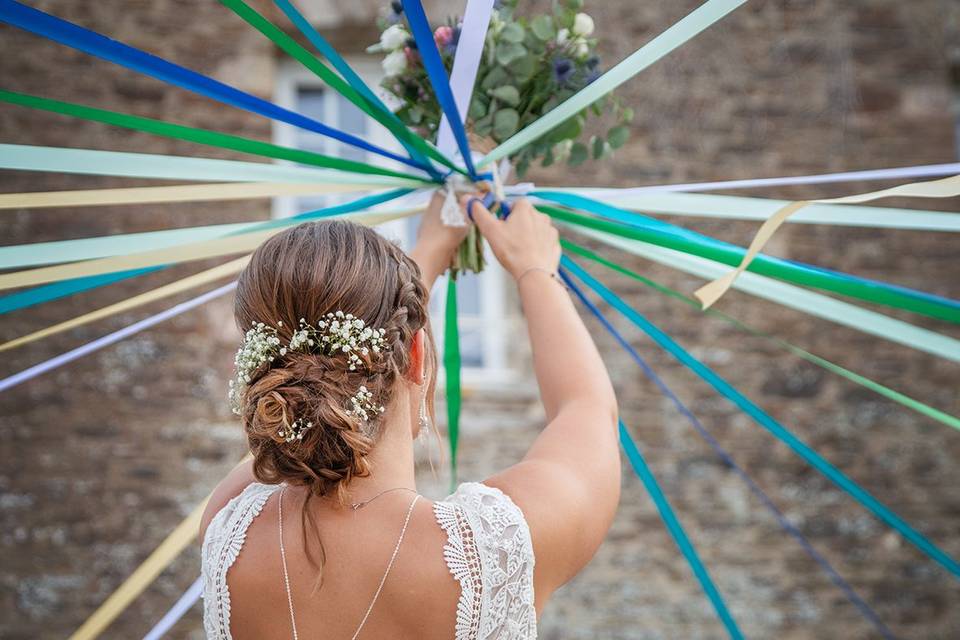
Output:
(767, 422)
(734, 252)
(46, 293)
(728, 460)
(653, 488)
(354, 80)
(93, 43)
(437, 73)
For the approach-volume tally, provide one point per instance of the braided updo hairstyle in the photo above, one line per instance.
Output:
(306, 272)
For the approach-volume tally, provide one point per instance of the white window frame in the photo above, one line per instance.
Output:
(496, 372)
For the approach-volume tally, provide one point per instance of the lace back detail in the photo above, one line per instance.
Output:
(221, 546)
(490, 553)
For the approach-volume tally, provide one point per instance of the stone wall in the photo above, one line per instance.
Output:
(103, 457)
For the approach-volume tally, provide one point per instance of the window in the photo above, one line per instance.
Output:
(480, 297)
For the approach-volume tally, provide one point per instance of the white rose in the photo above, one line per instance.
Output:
(393, 37)
(582, 24)
(582, 49)
(395, 63)
(562, 36)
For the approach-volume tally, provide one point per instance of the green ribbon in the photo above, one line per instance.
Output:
(794, 297)
(200, 136)
(762, 418)
(701, 18)
(658, 234)
(856, 378)
(413, 143)
(451, 366)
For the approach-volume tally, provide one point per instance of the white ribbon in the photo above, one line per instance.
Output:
(466, 63)
(179, 608)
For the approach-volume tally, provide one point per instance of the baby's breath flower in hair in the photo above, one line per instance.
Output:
(336, 333)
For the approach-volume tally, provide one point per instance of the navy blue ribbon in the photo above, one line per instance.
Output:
(762, 418)
(728, 460)
(69, 34)
(437, 73)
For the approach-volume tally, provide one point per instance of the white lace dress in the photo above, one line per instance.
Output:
(488, 551)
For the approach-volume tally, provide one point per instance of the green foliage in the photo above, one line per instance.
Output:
(505, 124)
(507, 94)
(529, 66)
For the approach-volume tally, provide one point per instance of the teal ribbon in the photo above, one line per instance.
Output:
(673, 525)
(766, 421)
(45, 293)
(640, 227)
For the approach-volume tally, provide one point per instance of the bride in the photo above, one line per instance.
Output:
(322, 534)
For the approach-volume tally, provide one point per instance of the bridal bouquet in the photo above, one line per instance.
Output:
(528, 67)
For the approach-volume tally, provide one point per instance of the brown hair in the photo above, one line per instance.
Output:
(306, 272)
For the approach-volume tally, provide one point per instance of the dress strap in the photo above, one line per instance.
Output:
(393, 557)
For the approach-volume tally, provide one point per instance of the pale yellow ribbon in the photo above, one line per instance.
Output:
(179, 193)
(709, 293)
(241, 243)
(173, 288)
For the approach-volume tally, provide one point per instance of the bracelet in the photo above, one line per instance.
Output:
(552, 274)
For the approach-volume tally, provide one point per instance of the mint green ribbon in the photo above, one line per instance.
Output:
(823, 363)
(705, 15)
(762, 418)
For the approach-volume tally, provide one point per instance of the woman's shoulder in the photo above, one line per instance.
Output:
(239, 480)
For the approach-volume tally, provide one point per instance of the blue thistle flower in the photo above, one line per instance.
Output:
(397, 7)
(562, 70)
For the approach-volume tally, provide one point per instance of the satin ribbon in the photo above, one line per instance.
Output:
(246, 239)
(639, 227)
(183, 604)
(427, 48)
(200, 136)
(64, 288)
(728, 460)
(688, 27)
(823, 363)
(896, 173)
(800, 448)
(160, 167)
(95, 44)
(797, 298)
(414, 144)
(190, 282)
(745, 208)
(451, 368)
(466, 63)
(179, 193)
(292, 48)
(712, 291)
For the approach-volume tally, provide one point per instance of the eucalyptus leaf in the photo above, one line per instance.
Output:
(547, 159)
(598, 145)
(484, 125)
(524, 68)
(478, 107)
(569, 129)
(507, 52)
(542, 27)
(578, 154)
(494, 78)
(505, 123)
(512, 32)
(618, 136)
(507, 94)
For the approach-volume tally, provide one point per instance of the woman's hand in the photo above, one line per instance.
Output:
(526, 239)
(436, 242)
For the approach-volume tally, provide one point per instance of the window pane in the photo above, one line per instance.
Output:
(351, 120)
